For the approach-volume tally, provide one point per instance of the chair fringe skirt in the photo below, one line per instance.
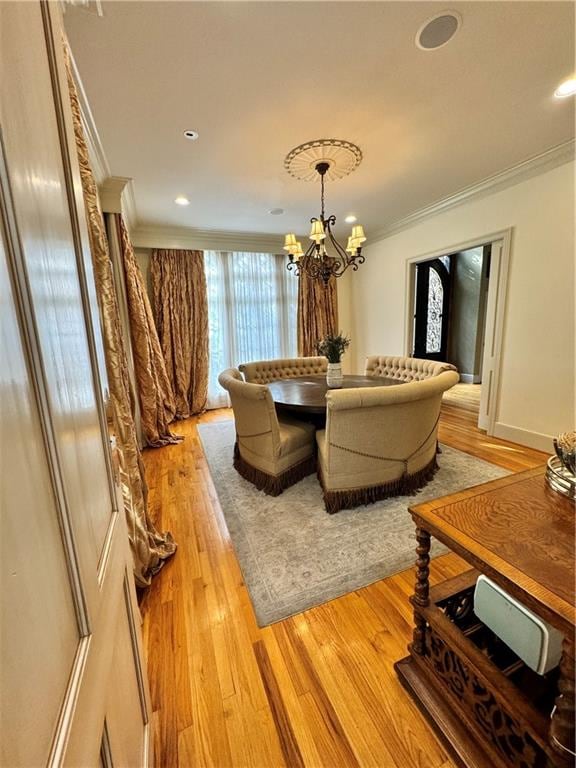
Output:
(273, 485)
(406, 485)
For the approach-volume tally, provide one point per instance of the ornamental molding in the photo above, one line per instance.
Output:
(533, 166)
(342, 158)
(189, 238)
(108, 185)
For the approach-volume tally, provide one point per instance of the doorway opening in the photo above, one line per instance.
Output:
(456, 309)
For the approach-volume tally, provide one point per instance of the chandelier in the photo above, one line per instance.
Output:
(325, 257)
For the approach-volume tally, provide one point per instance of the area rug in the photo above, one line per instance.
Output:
(294, 555)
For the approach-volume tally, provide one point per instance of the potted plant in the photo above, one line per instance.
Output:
(333, 346)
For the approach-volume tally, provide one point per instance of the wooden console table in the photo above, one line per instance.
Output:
(488, 707)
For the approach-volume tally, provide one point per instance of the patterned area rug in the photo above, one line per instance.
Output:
(294, 555)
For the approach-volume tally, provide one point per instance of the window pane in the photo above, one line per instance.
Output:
(252, 305)
(434, 320)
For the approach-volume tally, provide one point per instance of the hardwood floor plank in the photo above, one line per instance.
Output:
(249, 722)
(298, 677)
(208, 732)
(316, 690)
(288, 742)
(407, 741)
(317, 744)
(354, 721)
(331, 725)
(182, 666)
(165, 692)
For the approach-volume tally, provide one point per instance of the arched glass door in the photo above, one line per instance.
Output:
(432, 309)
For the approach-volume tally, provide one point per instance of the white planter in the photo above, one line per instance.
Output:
(334, 376)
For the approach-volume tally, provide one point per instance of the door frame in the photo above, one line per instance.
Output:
(501, 242)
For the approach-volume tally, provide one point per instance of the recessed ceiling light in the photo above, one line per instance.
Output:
(181, 200)
(350, 219)
(438, 30)
(567, 88)
(276, 211)
(192, 135)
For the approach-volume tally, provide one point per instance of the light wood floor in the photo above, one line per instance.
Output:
(317, 689)
(466, 396)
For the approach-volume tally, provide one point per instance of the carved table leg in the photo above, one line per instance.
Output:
(422, 588)
(562, 724)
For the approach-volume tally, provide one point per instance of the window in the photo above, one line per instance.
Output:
(434, 320)
(252, 306)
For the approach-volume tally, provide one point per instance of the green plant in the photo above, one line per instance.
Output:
(333, 346)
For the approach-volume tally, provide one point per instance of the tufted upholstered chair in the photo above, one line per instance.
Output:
(404, 368)
(265, 371)
(271, 453)
(379, 441)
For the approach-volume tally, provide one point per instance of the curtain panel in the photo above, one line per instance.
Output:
(252, 302)
(156, 398)
(181, 314)
(317, 312)
(115, 252)
(149, 547)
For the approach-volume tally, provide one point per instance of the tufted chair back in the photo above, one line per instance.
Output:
(265, 371)
(404, 368)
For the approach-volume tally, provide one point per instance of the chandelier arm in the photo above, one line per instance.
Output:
(357, 260)
(310, 263)
(343, 261)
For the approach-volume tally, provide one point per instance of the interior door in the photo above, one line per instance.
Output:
(432, 309)
(74, 690)
(492, 336)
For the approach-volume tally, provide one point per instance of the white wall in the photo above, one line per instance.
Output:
(536, 399)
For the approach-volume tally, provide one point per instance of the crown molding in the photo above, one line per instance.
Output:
(129, 206)
(116, 192)
(98, 160)
(205, 239)
(117, 196)
(546, 161)
(111, 191)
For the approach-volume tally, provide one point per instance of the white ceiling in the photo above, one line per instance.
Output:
(258, 78)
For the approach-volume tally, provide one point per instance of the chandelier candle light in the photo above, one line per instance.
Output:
(334, 158)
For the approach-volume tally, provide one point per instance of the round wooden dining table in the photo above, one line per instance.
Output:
(306, 395)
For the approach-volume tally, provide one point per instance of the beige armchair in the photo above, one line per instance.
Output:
(265, 371)
(272, 454)
(379, 441)
(404, 368)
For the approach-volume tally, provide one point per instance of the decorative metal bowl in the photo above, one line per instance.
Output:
(560, 478)
(565, 447)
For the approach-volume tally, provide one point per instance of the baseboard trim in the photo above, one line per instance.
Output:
(148, 747)
(537, 440)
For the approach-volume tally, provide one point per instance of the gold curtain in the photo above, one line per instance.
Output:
(155, 394)
(149, 547)
(317, 312)
(181, 314)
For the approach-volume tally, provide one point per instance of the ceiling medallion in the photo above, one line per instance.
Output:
(332, 158)
(342, 157)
